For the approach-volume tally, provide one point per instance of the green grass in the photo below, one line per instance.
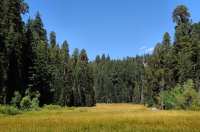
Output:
(102, 118)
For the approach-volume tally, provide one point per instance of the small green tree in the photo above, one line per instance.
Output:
(26, 100)
(181, 97)
(174, 99)
(25, 103)
(189, 93)
(28, 104)
(16, 100)
(35, 102)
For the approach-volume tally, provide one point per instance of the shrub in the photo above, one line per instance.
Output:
(173, 99)
(51, 107)
(9, 110)
(30, 104)
(194, 108)
(1, 109)
(25, 103)
(16, 100)
(189, 93)
(35, 102)
(181, 97)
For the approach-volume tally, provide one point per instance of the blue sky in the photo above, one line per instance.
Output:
(119, 28)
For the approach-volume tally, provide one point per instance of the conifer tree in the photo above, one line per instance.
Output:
(77, 100)
(37, 59)
(12, 41)
(195, 53)
(66, 75)
(182, 42)
(167, 61)
(86, 80)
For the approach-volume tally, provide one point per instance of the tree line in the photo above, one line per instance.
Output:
(30, 61)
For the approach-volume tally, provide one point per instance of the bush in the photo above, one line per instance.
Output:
(34, 104)
(181, 97)
(28, 102)
(16, 100)
(51, 107)
(1, 109)
(9, 110)
(25, 103)
(194, 108)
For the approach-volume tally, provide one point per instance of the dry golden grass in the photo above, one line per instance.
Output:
(102, 118)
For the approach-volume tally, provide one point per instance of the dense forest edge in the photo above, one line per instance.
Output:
(36, 70)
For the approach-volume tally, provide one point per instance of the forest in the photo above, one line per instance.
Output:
(36, 70)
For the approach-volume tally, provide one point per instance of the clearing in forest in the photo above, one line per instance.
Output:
(102, 118)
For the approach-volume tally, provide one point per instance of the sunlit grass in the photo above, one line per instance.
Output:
(102, 118)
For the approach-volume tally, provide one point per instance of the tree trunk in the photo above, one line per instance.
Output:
(199, 97)
(162, 93)
(142, 93)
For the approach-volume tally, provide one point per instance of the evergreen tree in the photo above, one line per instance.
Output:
(86, 80)
(167, 61)
(195, 53)
(182, 43)
(98, 59)
(55, 74)
(12, 29)
(77, 101)
(37, 59)
(181, 15)
(66, 75)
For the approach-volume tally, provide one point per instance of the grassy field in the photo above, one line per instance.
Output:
(102, 118)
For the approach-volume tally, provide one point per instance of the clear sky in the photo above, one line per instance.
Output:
(119, 28)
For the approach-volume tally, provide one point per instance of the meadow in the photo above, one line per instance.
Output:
(102, 118)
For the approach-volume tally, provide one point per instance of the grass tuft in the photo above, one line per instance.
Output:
(52, 107)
